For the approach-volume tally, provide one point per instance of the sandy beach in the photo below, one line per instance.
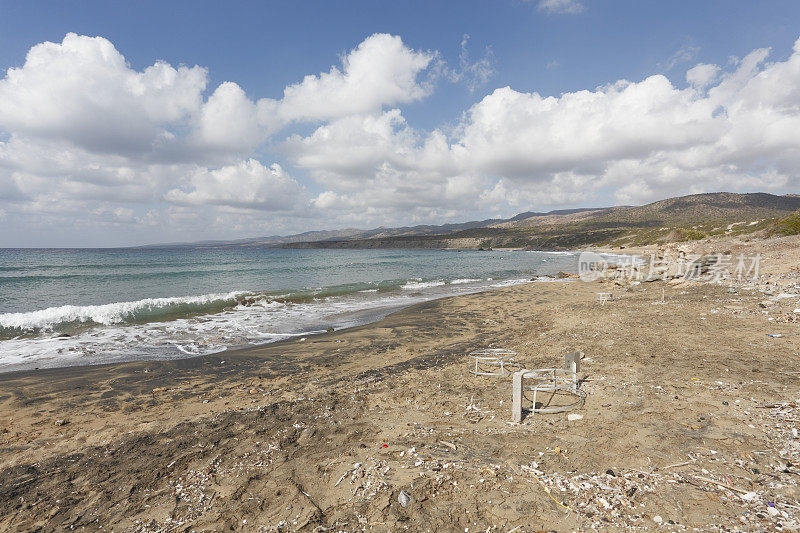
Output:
(690, 421)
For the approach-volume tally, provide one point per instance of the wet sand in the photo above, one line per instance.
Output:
(689, 422)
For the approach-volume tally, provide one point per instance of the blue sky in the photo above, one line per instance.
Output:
(439, 139)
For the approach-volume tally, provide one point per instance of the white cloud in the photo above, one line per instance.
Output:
(82, 92)
(248, 184)
(381, 71)
(702, 75)
(645, 140)
(229, 121)
(683, 55)
(472, 73)
(565, 7)
(86, 138)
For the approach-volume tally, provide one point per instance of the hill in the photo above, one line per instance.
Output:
(683, 218)
(690, 217)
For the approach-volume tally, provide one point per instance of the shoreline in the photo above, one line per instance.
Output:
(295, 435)
(361, 316)
(67, 335)
(192, 305)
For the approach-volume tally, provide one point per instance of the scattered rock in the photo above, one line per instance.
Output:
(61, 422)
(657, 519)
(404, 498)
(773, 511)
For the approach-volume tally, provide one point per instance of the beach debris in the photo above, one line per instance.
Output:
(492, 362)
(572, 417)
(558, 382)
(604, 297)
(61, 422)
(404, 498)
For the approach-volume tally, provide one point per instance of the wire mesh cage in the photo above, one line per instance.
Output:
(492, 362)
(558, 388)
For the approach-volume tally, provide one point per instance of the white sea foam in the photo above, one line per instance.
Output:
(417, 285)
(464, 280)
(106, 314)
(233, 326)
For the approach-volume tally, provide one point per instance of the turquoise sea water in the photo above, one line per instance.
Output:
(67, 307)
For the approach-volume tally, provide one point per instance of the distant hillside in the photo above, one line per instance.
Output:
(676, 219)
(354, 234)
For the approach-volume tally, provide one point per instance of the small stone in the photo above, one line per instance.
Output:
(657, 519)
(611, 473)
(574, 416)
(404, 498)
(773, 511)
(61, 422)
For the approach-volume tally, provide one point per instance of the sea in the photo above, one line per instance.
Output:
(63, 307)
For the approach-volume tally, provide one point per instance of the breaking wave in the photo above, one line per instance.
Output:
(67, 318)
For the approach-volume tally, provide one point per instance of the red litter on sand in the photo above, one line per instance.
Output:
(384, 446)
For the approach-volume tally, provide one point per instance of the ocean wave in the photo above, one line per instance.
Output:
(464, 280)
(149, 309)
(419, 284)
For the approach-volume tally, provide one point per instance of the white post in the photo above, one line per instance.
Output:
(516, 400)
(572, 363)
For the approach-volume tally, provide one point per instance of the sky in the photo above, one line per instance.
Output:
(126, 123)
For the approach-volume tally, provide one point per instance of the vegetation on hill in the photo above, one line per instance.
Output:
(686, 218)
(789, 225)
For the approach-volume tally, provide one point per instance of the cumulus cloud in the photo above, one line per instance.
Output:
(644, 140)
(82, 92)
(84, 136)
(248, 184)
(381, 71)
(78, 125)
